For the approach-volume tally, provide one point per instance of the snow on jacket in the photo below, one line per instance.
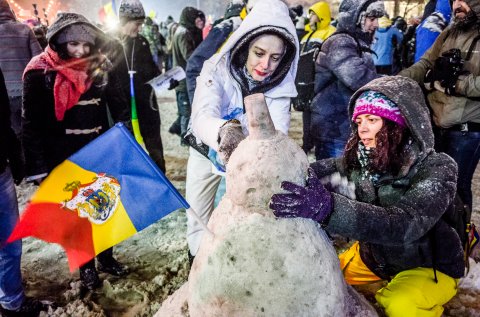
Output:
(431, 27)
(398, 222)
(209, 46)
(344, 64)
(18, 45)
(324, 29)
(464, 106)
(220, 93)
(385, 41)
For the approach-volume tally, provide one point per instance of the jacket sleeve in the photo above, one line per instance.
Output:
(432, 190)
(117, 102)
(418, 70)
(204, 51)
(9, 141)
(33, 117)
(345, 63)
(186, 45)
(468, 86)
(325, 167)
(35, 47)
(207, 106)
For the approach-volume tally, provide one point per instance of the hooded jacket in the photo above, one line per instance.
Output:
(186, 38)
(399, 222)
(387, 37)
(324, 29)
(47, 140)
(344, 64)
(220, 91)
(464, 106)
(18, 45)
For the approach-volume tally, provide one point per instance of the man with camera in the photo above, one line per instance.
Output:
(450, 73)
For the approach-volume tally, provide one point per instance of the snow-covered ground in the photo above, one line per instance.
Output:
(157, 256)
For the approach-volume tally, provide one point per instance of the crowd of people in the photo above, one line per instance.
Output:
(391, 106)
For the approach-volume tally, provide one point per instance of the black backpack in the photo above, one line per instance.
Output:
(458, 216)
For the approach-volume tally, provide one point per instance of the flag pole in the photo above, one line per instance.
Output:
(200, 221)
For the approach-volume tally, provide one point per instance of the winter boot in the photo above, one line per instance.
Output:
(89, 275)
(175, 127)
(29, 308)
(108, 264)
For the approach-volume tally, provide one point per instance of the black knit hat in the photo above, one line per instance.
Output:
(130, 10)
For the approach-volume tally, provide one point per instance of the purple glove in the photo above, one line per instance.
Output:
(313, 201)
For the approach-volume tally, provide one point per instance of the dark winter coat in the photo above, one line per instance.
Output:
(185, 40)
(343, 65)
(398, 222)
(11, 151)
(137, 52)
(18, 45)
(216, 37)
(47, 141)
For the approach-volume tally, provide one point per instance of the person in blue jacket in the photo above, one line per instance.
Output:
(431, 27)
(386, 39)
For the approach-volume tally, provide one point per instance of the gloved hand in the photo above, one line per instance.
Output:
(173, 84)
(446, 70)
(313, 201)
(18, 171)
(229, 136)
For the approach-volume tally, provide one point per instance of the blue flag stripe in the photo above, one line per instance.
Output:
(146, 193)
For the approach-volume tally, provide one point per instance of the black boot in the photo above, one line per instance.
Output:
(107, 264)
(175, 127)
(89, 275)
(190, 259)
(30, 308)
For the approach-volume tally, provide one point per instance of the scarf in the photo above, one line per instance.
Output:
(71, 80)
(252, 83)
(364, 155)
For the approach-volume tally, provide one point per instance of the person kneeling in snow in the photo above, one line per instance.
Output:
(403, 187)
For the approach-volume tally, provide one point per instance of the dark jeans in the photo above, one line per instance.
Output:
(464, 148)
(184, 111)
(307, 138)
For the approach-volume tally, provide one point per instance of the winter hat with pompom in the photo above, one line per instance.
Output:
(372, 102)
(130, 10)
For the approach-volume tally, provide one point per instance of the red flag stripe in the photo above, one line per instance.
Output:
(73, 233)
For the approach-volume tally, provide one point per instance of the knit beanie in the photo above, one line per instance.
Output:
(372, 102)
(130, 10)
(76, 32)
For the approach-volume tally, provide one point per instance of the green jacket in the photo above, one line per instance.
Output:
(465, 107)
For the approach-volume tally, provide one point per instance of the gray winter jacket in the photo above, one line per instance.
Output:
(18, 45)
(343, 65)
(399, 222)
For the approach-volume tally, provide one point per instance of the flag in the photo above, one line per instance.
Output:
(98, 197)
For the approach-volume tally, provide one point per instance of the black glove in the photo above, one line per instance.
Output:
(446, 70)
(173, 84)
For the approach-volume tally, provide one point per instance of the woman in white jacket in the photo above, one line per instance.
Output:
(260, 57)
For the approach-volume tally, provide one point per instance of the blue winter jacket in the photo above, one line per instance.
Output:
(431, 27)
(383, 45)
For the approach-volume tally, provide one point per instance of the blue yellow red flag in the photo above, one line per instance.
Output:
(98, 197)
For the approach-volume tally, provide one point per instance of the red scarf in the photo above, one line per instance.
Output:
(71, 80)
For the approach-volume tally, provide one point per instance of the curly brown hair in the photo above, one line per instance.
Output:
(387, 156)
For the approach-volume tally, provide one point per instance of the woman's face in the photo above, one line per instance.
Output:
(264, 56)
(368, 127)
(78, 49)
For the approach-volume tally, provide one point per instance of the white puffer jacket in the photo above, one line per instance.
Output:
(218, 95)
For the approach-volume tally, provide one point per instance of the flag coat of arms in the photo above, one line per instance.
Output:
(98, 197)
